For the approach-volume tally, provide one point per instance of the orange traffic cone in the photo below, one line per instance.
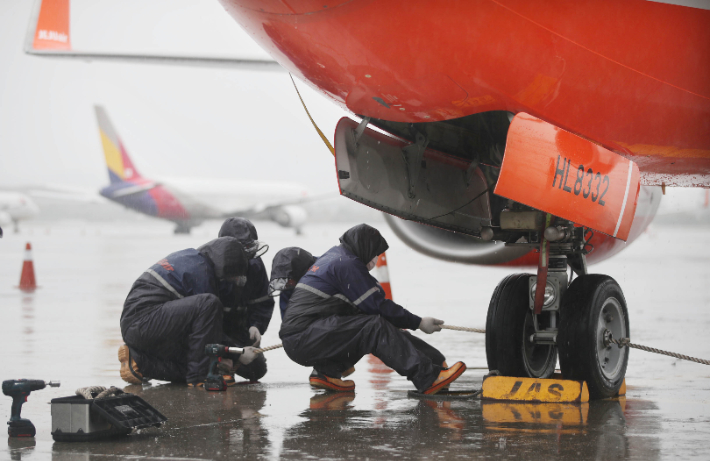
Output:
(27, 279)
(383, 275)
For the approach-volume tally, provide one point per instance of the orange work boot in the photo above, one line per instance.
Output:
(444, 366)
(129, 368)
(347, 372)
(199, 384)
(321, 381)
(446, 377)
(229, 380)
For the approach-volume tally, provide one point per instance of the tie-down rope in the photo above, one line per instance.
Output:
(619, 342)
(627, 342)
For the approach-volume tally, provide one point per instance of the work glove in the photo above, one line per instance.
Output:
(255, 335)
(429, 325)
(248, 355)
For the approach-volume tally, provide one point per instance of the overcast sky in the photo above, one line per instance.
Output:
(174, 121)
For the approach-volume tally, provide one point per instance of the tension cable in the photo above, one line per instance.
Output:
(623, 342)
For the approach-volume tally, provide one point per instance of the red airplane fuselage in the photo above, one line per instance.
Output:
(631, 75)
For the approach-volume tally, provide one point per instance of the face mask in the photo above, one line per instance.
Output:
(278, 285)
(256, 249)
(371, 265)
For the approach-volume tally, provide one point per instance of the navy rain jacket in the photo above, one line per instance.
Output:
(187, 273)
(340, 284)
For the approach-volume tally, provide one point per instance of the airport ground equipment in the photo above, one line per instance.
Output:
(19, 390)
(97, 413)
(217, 352)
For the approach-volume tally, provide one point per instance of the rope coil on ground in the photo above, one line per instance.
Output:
(100, 391)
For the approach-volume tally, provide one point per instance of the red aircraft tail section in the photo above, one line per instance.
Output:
(52, 31)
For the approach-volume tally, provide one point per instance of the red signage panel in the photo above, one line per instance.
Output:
(555, 171)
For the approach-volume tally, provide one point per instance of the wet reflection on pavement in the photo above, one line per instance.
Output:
(68, 330)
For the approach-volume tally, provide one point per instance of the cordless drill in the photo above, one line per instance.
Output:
(215, 379)
(19, 389)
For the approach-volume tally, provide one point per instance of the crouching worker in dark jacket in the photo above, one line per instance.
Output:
(173, 311)
(247, 309)
(338, 313)
(287, 268)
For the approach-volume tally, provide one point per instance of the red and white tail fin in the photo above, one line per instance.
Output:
(119, 164)
(383, 275)
(51, 30)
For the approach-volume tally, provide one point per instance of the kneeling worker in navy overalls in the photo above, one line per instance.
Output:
(173, 310)
(338, 313)
(247, 309)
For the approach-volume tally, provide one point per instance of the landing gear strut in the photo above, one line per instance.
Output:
(576, 320)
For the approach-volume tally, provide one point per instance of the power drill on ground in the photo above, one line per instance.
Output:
(19, 389)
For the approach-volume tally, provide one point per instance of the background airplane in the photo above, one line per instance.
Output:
(189, 201)
(15, 207)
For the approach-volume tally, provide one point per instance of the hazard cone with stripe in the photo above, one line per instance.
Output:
(383, 275)
(27, 279)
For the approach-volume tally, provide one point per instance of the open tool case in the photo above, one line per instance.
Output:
(76, 419)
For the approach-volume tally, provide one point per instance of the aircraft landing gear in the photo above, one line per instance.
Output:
(593, 309)
(510, 328)
(575, 320)
(181, 229)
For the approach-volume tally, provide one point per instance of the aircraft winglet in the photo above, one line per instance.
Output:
(51, 26)
(48, 36)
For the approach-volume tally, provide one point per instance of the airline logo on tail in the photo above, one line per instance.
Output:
(52, 31)
(120, 167)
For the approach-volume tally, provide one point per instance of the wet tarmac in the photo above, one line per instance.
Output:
(68, 330)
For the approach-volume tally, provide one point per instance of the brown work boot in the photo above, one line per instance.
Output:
(229, 380)
(446, 377)
(321, 381)
(200, 384)
(129, 368)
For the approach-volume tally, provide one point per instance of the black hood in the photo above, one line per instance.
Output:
(240, 228)
(291, 263)
(227, 256)
(364, 241)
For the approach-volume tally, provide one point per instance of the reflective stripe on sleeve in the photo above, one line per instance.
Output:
(164, 283)
(317, 292)
(365, 296)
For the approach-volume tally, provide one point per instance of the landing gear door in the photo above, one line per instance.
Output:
(553, 170)
(409, 180)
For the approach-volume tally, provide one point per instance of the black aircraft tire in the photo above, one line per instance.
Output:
(592, 304)
(505, 322)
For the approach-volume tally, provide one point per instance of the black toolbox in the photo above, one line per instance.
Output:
(76, 419)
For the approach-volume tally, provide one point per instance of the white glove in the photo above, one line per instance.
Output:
(255, 336)
(429, 325)
(248, 356)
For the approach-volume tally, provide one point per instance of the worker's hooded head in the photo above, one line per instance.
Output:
(365, 242)
(243, 230)
(289, 265)
(228, 258)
